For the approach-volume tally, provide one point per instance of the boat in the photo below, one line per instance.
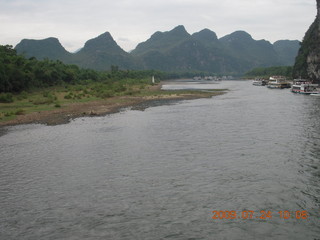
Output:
(206, 78)
(259, 82)
(304, 86)
(278, 82)
(197, 78)
(315, 94)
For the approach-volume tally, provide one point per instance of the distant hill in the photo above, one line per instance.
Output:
(286, 51)
(248, 53)
(162, 41)
(174, 50)
(98, 53)
(206, 36)
(102, 52)
(46, 48)
(177, 50)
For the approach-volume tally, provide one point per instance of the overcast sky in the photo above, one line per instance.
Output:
(74, 22)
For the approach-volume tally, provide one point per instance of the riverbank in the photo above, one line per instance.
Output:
(69, 111)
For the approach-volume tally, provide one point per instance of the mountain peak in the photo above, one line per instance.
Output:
(42, 48)
(49, 40)
(162, 41)
(103, 43)
(238, 35)
(105, 35)
(179, 30)
(206, 35)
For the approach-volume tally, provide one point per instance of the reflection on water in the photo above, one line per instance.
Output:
(159, 173)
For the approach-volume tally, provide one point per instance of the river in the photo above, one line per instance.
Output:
(252, 155)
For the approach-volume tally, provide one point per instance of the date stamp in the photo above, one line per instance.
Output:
(264, 214)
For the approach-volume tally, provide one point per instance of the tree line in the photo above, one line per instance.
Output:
(18, 73)
(270, 71)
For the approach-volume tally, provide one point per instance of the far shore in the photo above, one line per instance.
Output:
(102, 107)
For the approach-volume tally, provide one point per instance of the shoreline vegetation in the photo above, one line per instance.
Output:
(59, 105)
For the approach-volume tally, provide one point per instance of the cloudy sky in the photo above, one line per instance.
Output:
(74, 22)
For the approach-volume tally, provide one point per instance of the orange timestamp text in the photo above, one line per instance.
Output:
(250, 214)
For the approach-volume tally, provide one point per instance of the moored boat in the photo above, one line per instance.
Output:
(304, 86)
(259, 82)
(278, 82)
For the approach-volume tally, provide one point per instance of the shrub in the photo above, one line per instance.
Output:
(46, 94)
(40, 101)
(19, 112)
(8, 114)
(78, 96)
(132, 92)
(119, 88)
(22, 95)
(6, 97)
(79, 88)
(68, 96)
(106, 94)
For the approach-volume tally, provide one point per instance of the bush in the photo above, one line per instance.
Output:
(78, 88)
(119, 88)
(22, 95)
(105, 94)
(19, 112)
(77, 96)
(6, 97)
(40, 101)
(68, 96)
(46, 94)
(8, 114)
(132, 92)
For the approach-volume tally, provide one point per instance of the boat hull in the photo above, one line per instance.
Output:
(278, 86)
(259, 83)
(303, 92)
(305, 88)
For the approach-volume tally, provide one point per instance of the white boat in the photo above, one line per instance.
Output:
(278, 82)
(315, 94)
(259, 82)
(304, 87)
(197, 78)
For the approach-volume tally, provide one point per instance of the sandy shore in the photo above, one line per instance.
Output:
(95, 108)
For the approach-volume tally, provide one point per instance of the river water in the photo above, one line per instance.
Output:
(160, 173)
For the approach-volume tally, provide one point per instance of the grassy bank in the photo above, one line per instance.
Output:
(61, 99)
